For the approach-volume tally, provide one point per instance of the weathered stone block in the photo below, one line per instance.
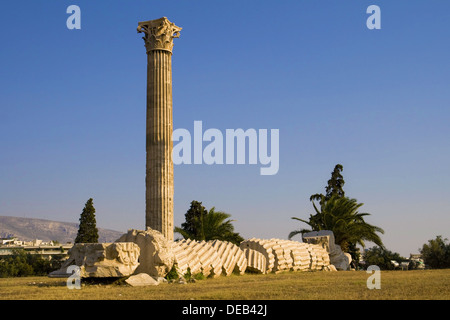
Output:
(256, 261)
(101, 260)
(211, 258)
(141, 279)
(156, 258)
(282, 255)
(325, 239)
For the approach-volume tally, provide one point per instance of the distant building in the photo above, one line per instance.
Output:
(417, 261)
(6, 241)
(37, 246)
(415, 256)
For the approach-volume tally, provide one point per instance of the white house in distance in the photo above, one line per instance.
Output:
(47, 248)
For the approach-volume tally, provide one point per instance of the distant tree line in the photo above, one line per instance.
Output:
(435, 255)
(22, 264)
(382, 258)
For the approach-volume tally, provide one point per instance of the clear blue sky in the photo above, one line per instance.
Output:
(72, 110)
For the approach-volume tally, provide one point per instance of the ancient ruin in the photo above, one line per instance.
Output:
(325, 238)
(149, 252)
(146, 256)
(285, 255)
(158, 37)
(211, 258)
(101, 260)
(156, 257)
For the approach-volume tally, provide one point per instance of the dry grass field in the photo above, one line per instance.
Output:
(348, 285)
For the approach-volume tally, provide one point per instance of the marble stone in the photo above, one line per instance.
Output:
(158, 37)
(156, 256)
(101, 260)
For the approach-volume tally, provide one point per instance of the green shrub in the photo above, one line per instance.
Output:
(22, 264)
(173, 273)
(436, 253)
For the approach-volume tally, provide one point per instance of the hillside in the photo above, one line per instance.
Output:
(29, 229)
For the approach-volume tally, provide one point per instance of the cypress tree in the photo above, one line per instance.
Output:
(334, 187)
(336, 183)
(87, 231)
(193, 217)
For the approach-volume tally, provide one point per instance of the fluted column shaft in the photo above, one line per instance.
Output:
(159, 35)
(159, 171)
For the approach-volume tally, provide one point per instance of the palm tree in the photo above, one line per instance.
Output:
(213, 225)
(340, 215)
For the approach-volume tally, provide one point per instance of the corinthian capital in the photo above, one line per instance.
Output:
(159, 34)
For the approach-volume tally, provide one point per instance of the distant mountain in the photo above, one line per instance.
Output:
(28, 229)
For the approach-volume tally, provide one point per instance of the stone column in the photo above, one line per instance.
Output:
(158, 36)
